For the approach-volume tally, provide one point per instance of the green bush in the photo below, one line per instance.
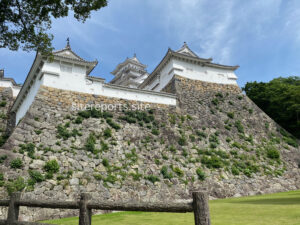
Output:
(247, 172)
(201, 134)
(201, 174)
(16, 185)
(78, 120)
(49, 175)
(155, 131)
(132, 156)
(16, 163)
(219, 94)
(90, 143)
(273, 153)
(107, 133)
(172, 118)
(98, 176)
(230, 115)
(110, 178)
(38, 132)
(165, 173)
(128, 119)
(152, 178)
(178, 171)
(105, 162)
(84, 114)
(236, 145)
(51, 166)
(113, 124)
(239, 126)
(3, 103)
(3, 158)
(63, 132)
(214, 141)
(2, 182)
(212, 162)
(235, 171)
(182, 141)
(185, 153)
(291, 141)
(75, 133)
(29, 148)
(192, 138)
(136, 176)
(189, 117)
(215, 101)
(222, 154)
(36, 176)
(172, 148)
(3, 116)
(227, 127)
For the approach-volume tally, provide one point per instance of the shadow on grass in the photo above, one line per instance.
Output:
(276, 201)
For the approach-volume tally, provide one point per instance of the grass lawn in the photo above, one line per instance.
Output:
(272, 209)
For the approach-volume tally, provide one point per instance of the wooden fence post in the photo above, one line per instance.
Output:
(201, 209)
(85, 214)
(13, 209)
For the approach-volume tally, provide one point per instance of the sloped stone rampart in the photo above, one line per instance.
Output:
(215, 139)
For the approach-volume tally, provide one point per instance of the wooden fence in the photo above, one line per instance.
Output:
(199, 205)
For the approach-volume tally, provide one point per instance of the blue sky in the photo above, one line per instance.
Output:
(263, 37)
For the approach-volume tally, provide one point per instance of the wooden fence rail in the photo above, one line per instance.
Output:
(199, 206)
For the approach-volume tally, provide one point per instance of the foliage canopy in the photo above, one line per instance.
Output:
(25, 23)
(280, 99)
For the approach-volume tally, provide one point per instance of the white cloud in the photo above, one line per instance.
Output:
(214, 27)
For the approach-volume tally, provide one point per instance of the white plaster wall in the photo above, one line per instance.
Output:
(4, 83)
(108, 90)
(205, 73)
(163, 79)
(16, 91)
(9, 84)
(72, 82)
(26, 103)
(75, 80)
(138, 95)
(52, 66)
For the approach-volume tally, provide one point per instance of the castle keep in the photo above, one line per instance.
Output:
(200, 132)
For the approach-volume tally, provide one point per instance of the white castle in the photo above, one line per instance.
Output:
(67, 71)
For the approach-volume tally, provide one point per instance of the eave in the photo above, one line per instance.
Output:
(119, 66)
(32, 74)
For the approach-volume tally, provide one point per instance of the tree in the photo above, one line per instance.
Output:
(24, 23)
(280, 99)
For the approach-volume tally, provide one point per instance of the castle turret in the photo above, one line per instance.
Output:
(7, 82)
(64, 70)
(130, 73)
(185, 63)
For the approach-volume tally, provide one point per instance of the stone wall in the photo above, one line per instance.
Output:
(6, 100)
(216, 139)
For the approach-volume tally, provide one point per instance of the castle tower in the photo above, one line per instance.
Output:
(130, 73)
